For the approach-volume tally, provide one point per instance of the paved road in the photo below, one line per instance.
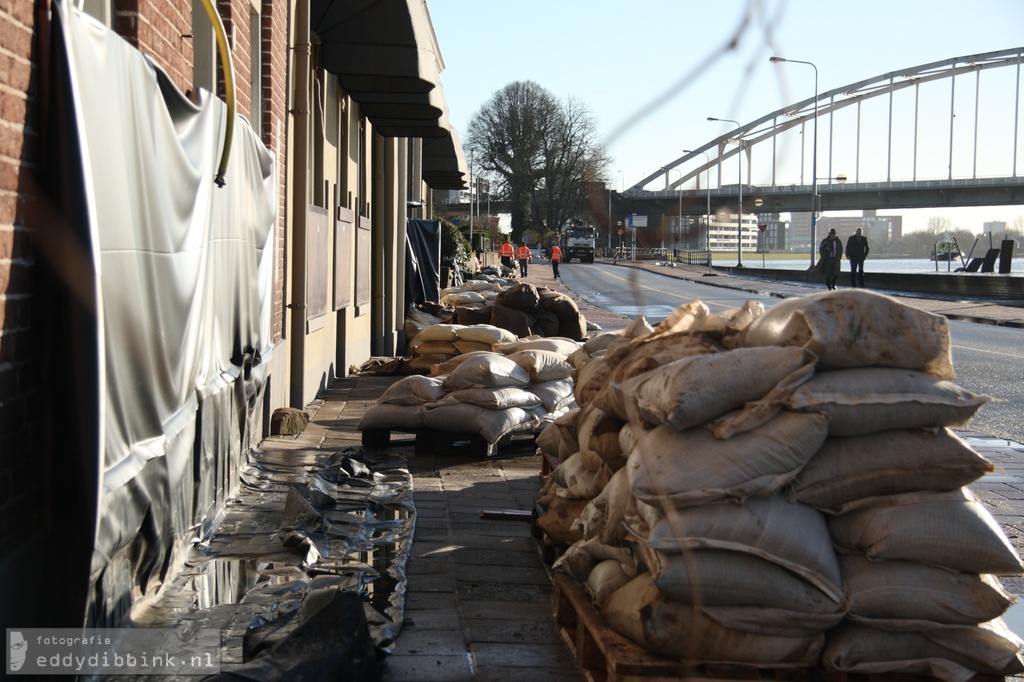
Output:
(986, 357)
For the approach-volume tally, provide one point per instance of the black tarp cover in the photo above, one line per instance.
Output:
(423, 261)
(184, 274)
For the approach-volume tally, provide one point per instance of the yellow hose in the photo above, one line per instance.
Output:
(229, 87)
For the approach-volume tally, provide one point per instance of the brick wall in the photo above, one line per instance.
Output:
(20, 391)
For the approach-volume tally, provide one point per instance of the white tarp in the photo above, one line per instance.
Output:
(185, 274)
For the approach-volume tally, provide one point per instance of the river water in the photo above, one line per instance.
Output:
(909, 266)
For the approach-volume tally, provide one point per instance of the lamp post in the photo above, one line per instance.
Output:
(679, 227)
(707, 183)
(814, 154)
(739, 212)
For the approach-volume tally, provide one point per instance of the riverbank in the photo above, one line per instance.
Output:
(954, 299)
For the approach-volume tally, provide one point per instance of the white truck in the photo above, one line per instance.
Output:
(578, 241)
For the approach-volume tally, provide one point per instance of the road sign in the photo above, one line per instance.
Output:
(762, 227)
(637, 221)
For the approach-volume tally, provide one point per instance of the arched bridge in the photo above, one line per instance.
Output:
(934, 135)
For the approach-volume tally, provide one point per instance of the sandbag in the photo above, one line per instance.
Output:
(857, 328)
(557, 520)
(563, 347)
(388, 417)
(720, 577)
(469, 316)
(863, 401)
(698, 388)
(447, 366)
(590, 380)
(486, 370)
(485, 333)
(523, 296)
(951, 529)
(692, 467)
(541, 365)
(544, 323)
(604, 518)
(598, 437)
(575, 481)
(554, 395)
(499, 398)
(953, 653)
(515, 321)
(471, 347)
(886, 463)
(425, 364)
(641, 612)
(793, 536)
(419, 346)
(606, 577)
(413, 390)
(920, 595)
(439, 332)
(462, 298)
(491, 425)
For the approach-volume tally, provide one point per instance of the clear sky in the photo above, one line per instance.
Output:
(653, 71)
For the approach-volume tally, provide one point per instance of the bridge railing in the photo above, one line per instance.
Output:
(687, 256)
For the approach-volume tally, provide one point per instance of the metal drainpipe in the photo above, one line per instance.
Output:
(300, 180)
(378, 247)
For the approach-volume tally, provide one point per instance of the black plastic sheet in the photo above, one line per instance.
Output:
(423, 260)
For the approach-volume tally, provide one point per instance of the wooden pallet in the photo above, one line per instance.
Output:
(429, 441)
(604, 655)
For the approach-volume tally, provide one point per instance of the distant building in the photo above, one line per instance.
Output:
(876, 228)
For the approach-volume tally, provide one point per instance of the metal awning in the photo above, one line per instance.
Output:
(444, 163)
(386, 57)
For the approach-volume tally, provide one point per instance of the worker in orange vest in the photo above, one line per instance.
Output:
(523, 253)
(507, 253)
(555, 257)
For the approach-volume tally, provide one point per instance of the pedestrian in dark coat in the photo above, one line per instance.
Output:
(856, 251)
(831, 251)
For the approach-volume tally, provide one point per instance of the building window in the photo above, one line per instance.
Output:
(255, 70)
(101, 10)
(204, 52)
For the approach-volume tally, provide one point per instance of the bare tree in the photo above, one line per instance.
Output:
(538, 150)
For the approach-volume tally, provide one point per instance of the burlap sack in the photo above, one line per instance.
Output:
(863, 401)
(641, 612)
(918, 595)
(687, 468)
(886, 463)
(857, 328)
(951, 529)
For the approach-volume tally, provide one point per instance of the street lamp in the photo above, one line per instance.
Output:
(739, 212)
(814, 153)
(679, 227)
(707, 182)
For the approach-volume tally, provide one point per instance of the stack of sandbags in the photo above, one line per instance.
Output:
(918, 551)
(591, 444)
(712, 542)
(527, 310)
(439, 343)
(489, 394)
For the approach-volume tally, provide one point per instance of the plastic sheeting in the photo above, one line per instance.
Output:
(184, 274)
(423, 261)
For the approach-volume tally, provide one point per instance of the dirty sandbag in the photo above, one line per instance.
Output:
(695, 389)
(952, 529)
(692, 467)
(918, 594)
(887, 463)
(857, 328)
(872, 399)
(640, 611)
(486, 369)
(541, 365)
(327, 638)
(951, 654)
